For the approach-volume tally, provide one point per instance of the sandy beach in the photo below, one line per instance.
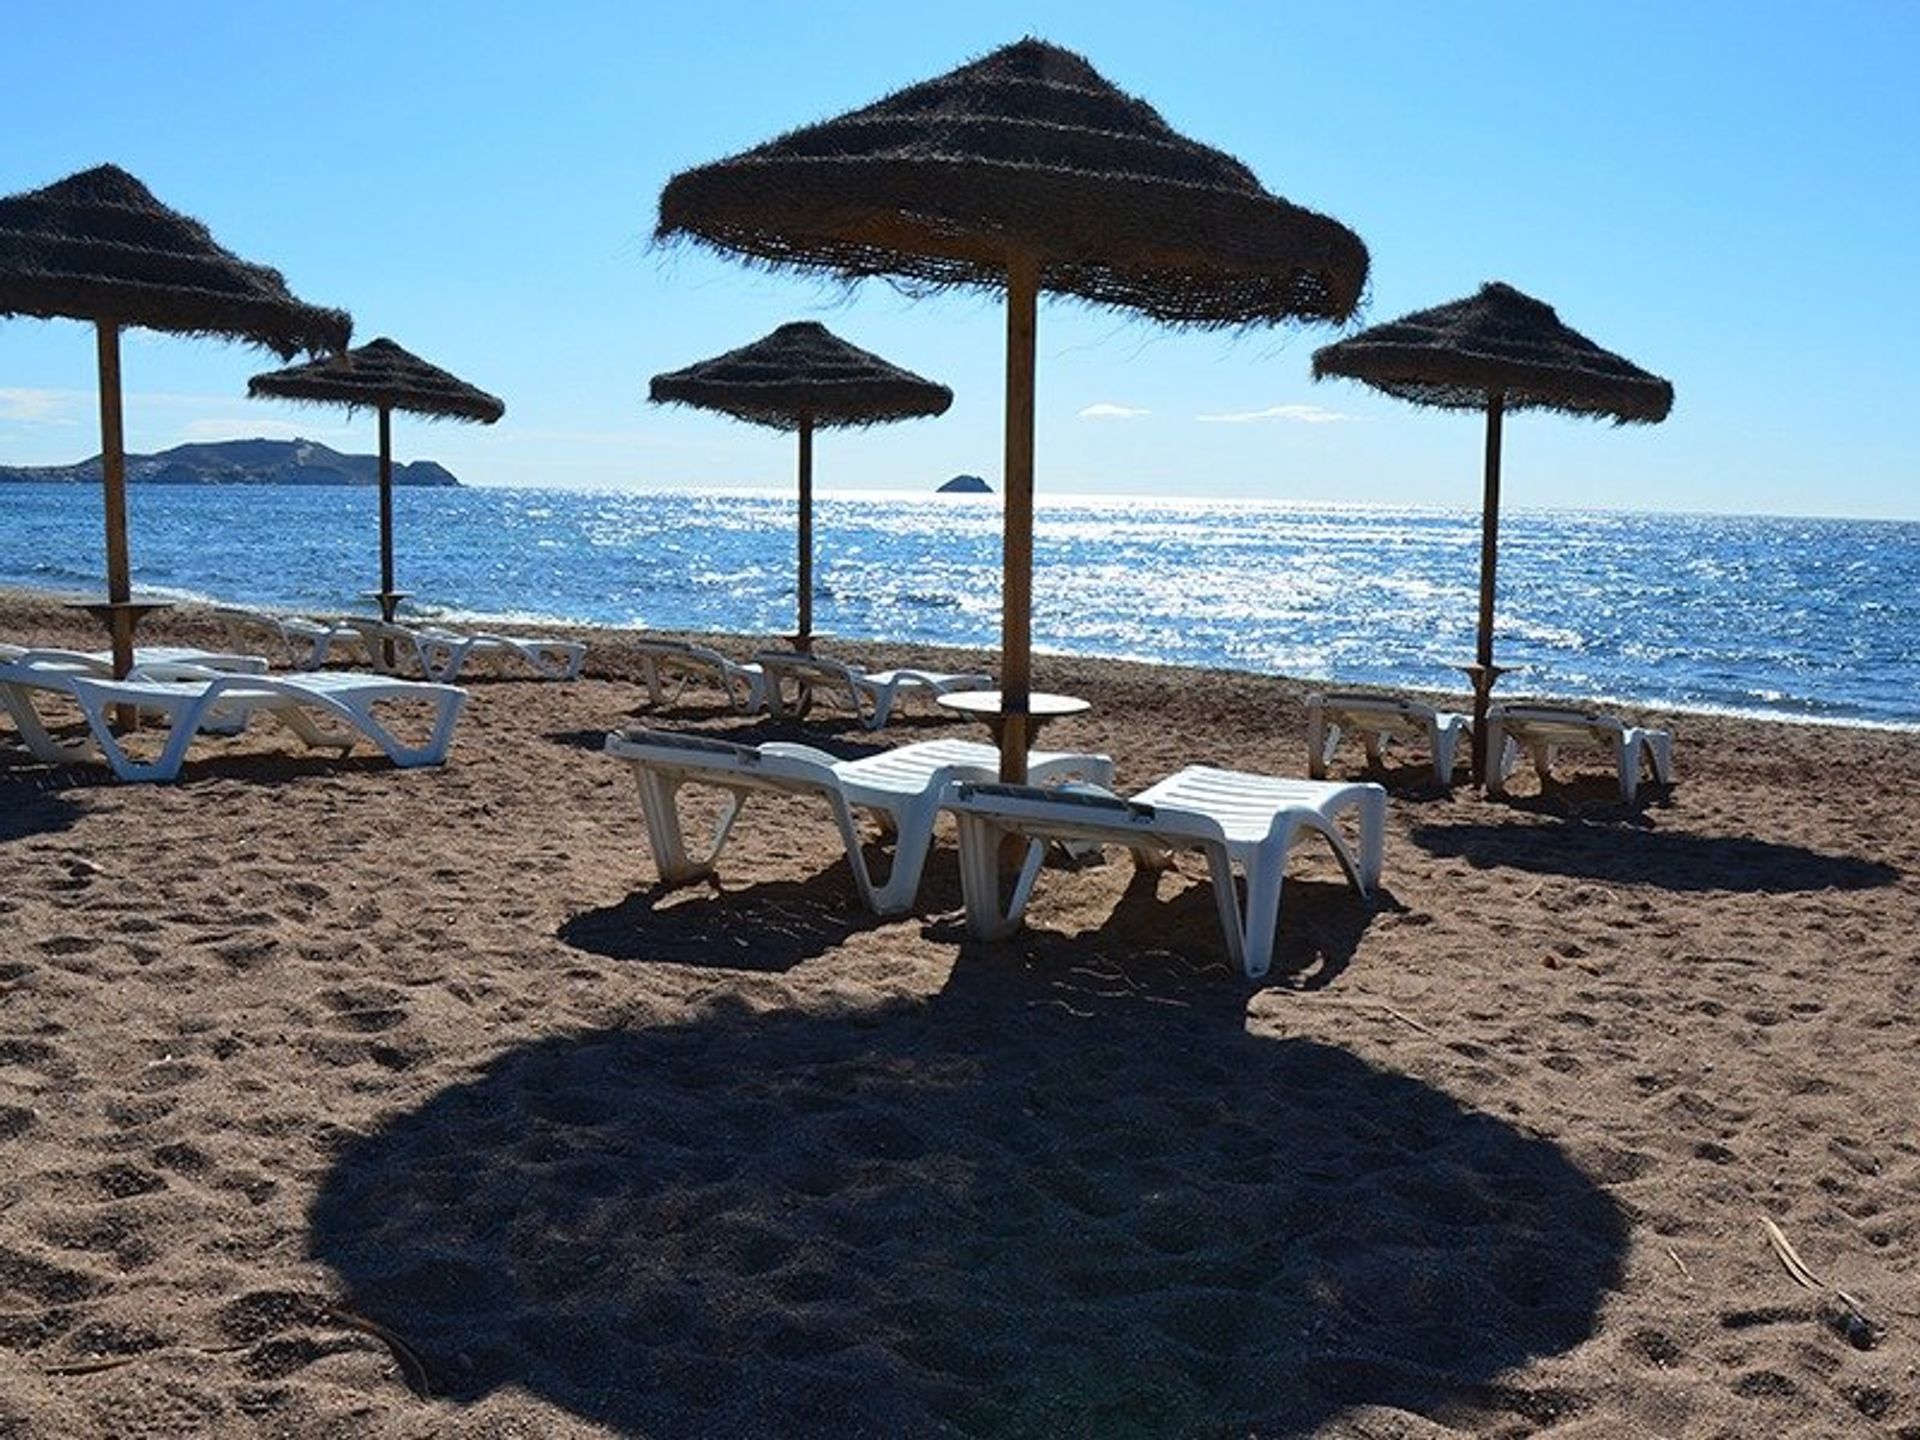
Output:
(337, 1100)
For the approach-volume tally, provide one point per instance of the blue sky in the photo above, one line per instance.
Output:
(1726, 193)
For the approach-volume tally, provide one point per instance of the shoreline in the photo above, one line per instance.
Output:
(745, 644)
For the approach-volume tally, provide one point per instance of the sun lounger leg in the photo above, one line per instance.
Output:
(1243, 931)
(756, 688)
(440, 660)
(1322, 739)
(1446, 744)
(182, 720)
(910, 844)
(881, 697)
(912, 829)
(1626, 760)
(1373, 839)
(779, 706)
(34, 733)
(1499, 757)
(1543, 755)
(1659, 749)
(311, 735)
(987, 919)
(650, 673)
(358, 710)
(660, 809)
(555, 659)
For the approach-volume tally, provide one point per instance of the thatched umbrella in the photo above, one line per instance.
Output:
(799, 377)
(382, 376)
(1501, 350)
(97, 246)
(1028, 170)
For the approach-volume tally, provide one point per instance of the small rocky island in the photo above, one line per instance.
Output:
(240, 462)
(965, 485)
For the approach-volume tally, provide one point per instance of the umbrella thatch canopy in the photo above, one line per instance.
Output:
(98, 246)
(1025, 169)
(1499, 350)
(382, 376)
(800, 377)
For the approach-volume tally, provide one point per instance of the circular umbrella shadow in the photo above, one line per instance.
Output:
(1007, 1211)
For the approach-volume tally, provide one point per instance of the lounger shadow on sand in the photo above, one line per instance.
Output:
(1663, 860)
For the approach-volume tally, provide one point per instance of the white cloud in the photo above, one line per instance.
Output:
(1291, 414)
(38, 407)
(1105, 411)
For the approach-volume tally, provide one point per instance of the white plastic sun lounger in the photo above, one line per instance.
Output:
(440, 653)
(100, 662)
(189, 697)
(1378, 720)
(662, 661)
(307, 643)
(1232, 817)
(25, 674)
(1543, 730)
(903, 787)
(868, 695)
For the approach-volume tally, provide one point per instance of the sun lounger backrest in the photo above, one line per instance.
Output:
(1083, 797)
(693, 744)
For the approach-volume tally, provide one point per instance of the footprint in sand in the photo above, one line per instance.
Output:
(69, 944)
(35, 1055)
(26, 1282)
(365, 1009)
(122, 1181)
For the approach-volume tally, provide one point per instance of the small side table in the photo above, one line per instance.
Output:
(121, 618)
(988, 707)
(108, 612)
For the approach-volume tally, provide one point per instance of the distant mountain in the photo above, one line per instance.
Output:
(241, 462)
(965, 485)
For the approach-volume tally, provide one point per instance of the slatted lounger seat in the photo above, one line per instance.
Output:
(440, 654)
(1543, 730)
(1378, 720)
(903, 787)
(1234, 818)
(868, 695)
(186, 697)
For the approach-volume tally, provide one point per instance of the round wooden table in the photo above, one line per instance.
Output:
(987, 707)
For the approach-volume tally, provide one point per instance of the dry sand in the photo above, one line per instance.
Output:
(338, 1100)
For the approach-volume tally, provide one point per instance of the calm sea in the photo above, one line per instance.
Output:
(1796, 619)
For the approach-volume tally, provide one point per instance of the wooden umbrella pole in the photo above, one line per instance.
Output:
(387, 600)
(803, 628)
(1016, 598)
(1483, 674)
(113, 475)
